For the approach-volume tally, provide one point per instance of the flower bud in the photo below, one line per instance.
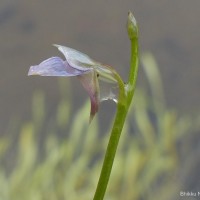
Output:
(132, 27)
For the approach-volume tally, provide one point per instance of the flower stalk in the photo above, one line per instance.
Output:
(124, 102)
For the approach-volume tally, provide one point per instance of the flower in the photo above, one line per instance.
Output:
(88, 71)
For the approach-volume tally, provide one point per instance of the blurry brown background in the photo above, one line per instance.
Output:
(170, 29)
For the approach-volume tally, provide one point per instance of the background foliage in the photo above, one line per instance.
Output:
(59, 157)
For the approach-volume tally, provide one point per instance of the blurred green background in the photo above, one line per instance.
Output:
(47, 149)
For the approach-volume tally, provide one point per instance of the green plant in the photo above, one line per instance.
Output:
(126, 93)
(38, 163)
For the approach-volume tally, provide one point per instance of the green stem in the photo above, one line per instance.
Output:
(133, 70)
(124, 101)
(110, 152)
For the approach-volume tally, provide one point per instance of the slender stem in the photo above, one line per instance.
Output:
(133, 70)
(124, 101)
(110, 152)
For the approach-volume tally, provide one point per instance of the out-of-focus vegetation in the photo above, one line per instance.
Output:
(59, 157)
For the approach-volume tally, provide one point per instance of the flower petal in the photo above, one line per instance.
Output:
(75, 58)
(54, 66)
(83, 62)
(91, 85)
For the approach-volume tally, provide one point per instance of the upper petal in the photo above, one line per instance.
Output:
(75, 58)
(54, 66)
(83, 62)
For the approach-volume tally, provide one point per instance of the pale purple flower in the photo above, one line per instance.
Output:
(88, 71)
